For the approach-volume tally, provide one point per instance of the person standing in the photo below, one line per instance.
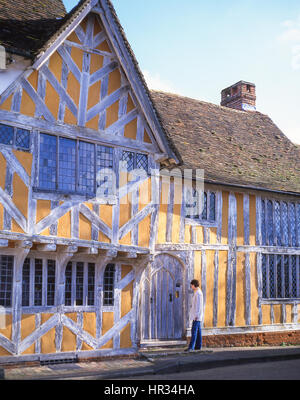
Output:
(196, 315)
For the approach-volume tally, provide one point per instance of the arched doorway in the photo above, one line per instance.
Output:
(161, 300)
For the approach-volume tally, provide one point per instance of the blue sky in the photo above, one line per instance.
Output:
(196, 48)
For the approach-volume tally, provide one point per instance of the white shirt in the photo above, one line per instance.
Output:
(196, 312)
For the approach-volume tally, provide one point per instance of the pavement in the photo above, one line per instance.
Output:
(151, 362)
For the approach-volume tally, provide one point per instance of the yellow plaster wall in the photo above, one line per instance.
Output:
(125, 338)
(254, 289)
(64, 225)
(48, 340)
(240, 289)
(107, 324)
(208, 313)
(223, 261)
(28, 327)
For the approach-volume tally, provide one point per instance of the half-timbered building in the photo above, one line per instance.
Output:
(99, 237)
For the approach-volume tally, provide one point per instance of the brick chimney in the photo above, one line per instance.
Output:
(240, 96)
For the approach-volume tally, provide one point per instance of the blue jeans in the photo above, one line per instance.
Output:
(196, 339)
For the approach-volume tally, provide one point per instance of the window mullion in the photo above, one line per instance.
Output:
(77, 167)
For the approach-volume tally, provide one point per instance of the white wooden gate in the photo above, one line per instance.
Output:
(161, 306)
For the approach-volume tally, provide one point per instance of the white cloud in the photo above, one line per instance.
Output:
(156, 82)
(291, 37)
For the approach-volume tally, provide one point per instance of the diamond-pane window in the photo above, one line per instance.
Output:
(6, 134)
(23, 138)
(128, 157)
(142, 162)
(280, 223)
(280, 276)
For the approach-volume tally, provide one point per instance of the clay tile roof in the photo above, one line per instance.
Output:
(233, 147)
(26, 24)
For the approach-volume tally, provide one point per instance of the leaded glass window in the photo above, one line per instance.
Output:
(105, 175)
(6, 134)
(38, 282)
(67, 165)
(109, 285)
(280, 223)
(26, 283)
(86, 167)
(13, 136)
(68, 285)
(201, 207)
(91, 285)
(80, 284)
(6, 280)
(48, 162)
(50, 282)
(280, 276)
(135, 161)
(75, 166)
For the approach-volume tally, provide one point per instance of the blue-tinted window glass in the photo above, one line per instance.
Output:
(285, 228)
(6, 280)
(6, 134)
(23, 138)
(47, 165)
(128, 157)
(204, 212)
(26, 282)
(104, 178)
(67, 165)
(91, 285)
(86, 167)
(212, 207)
(270, 222)
(68, 285)
(38, 282)
(142, 162)
(293, 225)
